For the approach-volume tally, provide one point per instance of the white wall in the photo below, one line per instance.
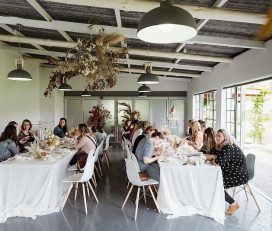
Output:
(18, 100)
(251, 65)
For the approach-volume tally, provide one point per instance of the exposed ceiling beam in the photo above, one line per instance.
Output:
(15, 32)
(199, 12)
(119, 25)
(47, 17)
(164, 73)
(127, 32)
(132, 61)
(200, 24)
(170, 55)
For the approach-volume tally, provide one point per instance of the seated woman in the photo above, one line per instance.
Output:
(100, 135)
(85, 143)
(208, 140)
(232, 161)
(188, 132)
(125, 131)
(61, 129)
(25, 136)
(8, 140)
(197, 136)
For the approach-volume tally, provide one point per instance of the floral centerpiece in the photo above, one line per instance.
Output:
(99, 116)
(50, 140)
(35, 150)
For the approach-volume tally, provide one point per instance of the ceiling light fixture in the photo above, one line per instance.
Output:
(142, 94)
(65, 86)
(167, 24)
(85, 93)
(144, 88)
(19, 73)
(148, 77)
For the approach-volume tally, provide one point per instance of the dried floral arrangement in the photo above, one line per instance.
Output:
(96, 61)
(35, 150)
(99, 116)
(128, 113)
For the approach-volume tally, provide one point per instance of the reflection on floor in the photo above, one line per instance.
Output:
(108, 215)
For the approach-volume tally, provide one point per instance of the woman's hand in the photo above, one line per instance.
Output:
(210, 157)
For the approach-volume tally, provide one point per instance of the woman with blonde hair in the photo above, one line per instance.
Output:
(232, 161)
(197, 136)
(85, 143)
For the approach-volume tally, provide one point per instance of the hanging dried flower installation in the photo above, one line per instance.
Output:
(96, 61)
(128, 113)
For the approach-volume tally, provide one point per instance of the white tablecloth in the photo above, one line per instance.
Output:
(187, 190)
(32, 187)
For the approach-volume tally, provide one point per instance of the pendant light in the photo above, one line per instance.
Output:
(65, 86)
(19, 73)
(167, 24)
(148, 77)
(85, 93)
(142, 94)
(144, 88)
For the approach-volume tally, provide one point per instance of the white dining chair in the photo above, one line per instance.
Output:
(82, 178)
(134, 178)
(106, 149)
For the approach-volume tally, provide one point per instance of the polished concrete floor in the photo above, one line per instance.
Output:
(108, 215)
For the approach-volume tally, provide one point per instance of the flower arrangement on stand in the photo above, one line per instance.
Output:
(99, 116)
(128, 114)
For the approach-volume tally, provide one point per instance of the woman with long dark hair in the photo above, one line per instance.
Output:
(208, 140)
(8, 141)
(61, 129)
(232, 161)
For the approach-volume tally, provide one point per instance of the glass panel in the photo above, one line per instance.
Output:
(176, 124)
(159, 113)
(73, 112)
(143, 106)
(88, 104)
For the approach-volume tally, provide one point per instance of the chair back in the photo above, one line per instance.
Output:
(100, 147)
(128, 143)
(132, 173)
(135, 161)
(89, 168)
(107, 142)
(127, 151)
(97, 151)
(250, 162)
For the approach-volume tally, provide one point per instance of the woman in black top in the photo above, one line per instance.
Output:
(232, 161)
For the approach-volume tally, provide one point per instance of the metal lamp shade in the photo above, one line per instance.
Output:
(144, 88)
(85, 93)
(148, 78)
(65, 87)
(19, 74)
(167, 24)
(142, 94)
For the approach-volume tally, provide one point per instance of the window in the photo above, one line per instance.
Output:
(205, 107)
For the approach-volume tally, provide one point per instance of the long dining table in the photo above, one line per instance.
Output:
(187, 189)
(31, 187)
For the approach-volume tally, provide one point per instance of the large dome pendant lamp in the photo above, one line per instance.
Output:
(167, 24)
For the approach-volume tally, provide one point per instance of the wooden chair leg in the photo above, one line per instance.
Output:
(76, 188)
(88, 191)
(127, 196)
(244, 187)
(233, 192)
(155, 201)
(84, 197)
(93, 192)
(251, 193)
(66, 196)
(144, 194)
(137, 203)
